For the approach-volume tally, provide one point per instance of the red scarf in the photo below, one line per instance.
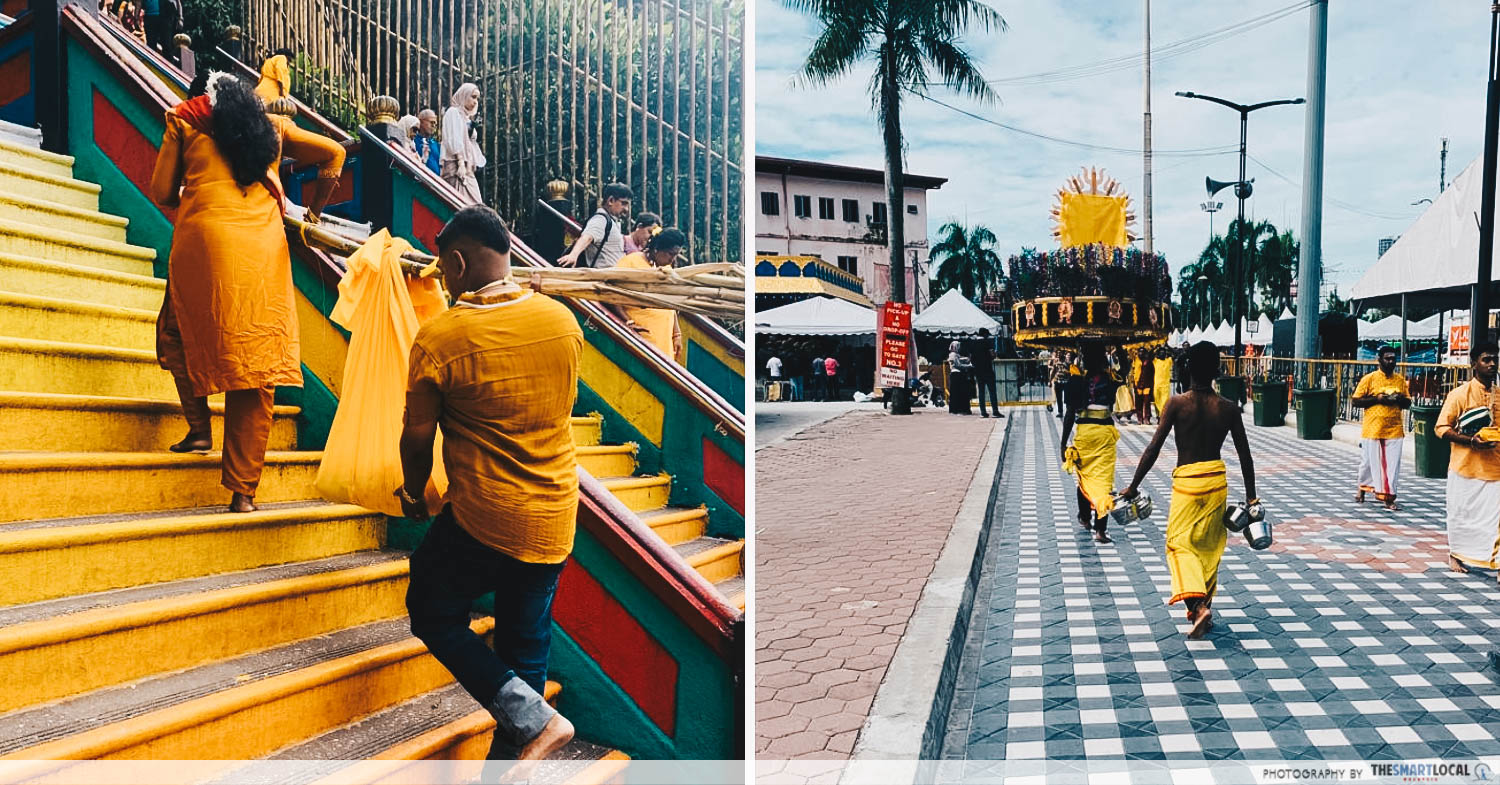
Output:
(199, 113)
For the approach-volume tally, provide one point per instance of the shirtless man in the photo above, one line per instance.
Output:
(1200, 418)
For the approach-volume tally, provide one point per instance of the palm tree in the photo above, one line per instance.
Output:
(907, 39)
(1275, 267)
(965, 260)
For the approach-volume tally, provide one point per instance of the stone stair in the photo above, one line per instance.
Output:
(142, 621)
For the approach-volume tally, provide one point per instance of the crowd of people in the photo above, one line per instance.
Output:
(153, 22)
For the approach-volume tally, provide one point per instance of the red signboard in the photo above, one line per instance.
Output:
(1458, 338)
(893, 344)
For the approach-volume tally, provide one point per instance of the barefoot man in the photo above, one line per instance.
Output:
(1383, 395)
(1200, 418)
(1091, 457)
(499, 372)
(1473, 470)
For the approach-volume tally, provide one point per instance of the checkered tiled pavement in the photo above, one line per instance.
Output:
(1349, 639)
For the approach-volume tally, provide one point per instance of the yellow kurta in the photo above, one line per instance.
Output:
(229, 280)
(1162, 383)
(660, 324)
(1381, 421)
(275, 79)
(1092, 459)
(1195, 529)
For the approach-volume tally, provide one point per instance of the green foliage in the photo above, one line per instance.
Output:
(327, 91)
(965, 259)
(1205, 289)
(205, 21)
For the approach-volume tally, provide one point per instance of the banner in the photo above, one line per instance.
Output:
(893, 342)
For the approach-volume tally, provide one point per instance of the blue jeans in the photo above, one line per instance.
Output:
(449, 570)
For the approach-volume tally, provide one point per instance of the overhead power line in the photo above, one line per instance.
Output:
(1347, 206)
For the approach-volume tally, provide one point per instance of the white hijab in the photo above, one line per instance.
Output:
(458, 143)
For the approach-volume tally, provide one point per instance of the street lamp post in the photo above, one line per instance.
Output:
(1242, 192)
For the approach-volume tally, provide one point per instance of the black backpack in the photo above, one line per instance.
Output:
(609, 228)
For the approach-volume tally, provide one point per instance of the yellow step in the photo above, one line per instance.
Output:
(586, 430)
(47, 562)
(40, 366)
(29, 181)
(640, 493)
(70, 321)
(677, 526)
(72, 248)
(719, 562)
(24, 209)
(56, 656)
(60, 485)
(48, 278)
(12, 154)
(92, 423)
(608, 460)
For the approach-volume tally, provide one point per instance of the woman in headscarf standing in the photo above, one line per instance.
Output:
(462, 157)
(229, 323)
(959, 367)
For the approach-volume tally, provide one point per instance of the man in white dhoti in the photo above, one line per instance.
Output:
(1384, 396)
(1473, 470)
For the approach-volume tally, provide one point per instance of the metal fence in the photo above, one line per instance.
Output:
(1429, 382)
(645, 92)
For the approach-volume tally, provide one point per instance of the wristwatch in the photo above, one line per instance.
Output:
(406, 497)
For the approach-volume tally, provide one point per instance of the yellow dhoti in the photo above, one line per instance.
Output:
(1195, 529)
(1092, 460)
(1161, 393)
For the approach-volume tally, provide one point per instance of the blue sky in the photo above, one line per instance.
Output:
(1401, 75)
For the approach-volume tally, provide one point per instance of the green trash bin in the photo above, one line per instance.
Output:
(1315, 414)
(1233, 388)
(1270, 403)
(1432, 452)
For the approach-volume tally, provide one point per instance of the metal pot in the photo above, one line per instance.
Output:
(1137, 509)
(1258, 534)
(1236, 517)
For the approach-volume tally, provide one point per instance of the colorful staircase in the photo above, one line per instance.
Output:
(140, 620)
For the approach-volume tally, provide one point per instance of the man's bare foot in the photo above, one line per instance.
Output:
(552, 738)
(1455, 565)
(1393, 507)
(1203, 621)
(242, 503)
(193, 443)
(1359, 497)
(1102, 538)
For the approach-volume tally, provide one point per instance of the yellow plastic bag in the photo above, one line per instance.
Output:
(378, 306)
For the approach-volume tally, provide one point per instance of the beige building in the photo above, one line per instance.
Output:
(838, 214)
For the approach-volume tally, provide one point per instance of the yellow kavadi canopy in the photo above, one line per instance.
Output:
(1092, 218)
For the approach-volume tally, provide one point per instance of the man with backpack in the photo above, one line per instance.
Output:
(602, 243)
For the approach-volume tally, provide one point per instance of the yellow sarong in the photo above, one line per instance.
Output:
(1092, 460)
(1195, 529)
(1163, 383)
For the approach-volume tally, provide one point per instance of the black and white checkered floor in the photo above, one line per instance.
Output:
(1349, 639)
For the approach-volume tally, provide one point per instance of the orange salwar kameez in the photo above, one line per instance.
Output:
(229, 320)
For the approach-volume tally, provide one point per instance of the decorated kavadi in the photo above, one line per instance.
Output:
(1095, 287)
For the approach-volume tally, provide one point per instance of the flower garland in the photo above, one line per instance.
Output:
(1089, 270)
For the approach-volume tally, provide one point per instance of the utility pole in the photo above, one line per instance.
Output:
(1310, 263)
(1443, 166)
(1479, 314)
(1147, 147)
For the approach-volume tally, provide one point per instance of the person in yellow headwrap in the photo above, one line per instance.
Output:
(1089, 399)
(275, 77)
(1162, 381)
(1200, 418)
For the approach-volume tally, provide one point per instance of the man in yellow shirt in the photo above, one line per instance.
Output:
(1473, 470)
(657, 325)
(499, 372)
(1383, 395)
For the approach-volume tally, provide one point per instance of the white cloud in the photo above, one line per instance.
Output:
(1401, 75)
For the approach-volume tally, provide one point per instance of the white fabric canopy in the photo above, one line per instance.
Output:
(817, 316)
(1438, 251)
(1389, 329)
(953, 314)
(1286, 313)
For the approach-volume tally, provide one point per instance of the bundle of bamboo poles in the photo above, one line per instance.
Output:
(716, 290)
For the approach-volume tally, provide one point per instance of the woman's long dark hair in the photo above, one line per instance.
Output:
(242, 131)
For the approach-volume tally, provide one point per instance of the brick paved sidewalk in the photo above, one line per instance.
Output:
(851, 516)
(1347, 640)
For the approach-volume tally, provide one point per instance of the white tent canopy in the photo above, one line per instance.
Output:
(1439, 251)
(817, 316)
(953, 314)
(1389, 329)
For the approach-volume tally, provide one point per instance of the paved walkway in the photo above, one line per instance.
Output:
(1348, 639)
(851, 516)
(776, 422)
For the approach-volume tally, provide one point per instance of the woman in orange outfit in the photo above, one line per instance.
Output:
(229, 322)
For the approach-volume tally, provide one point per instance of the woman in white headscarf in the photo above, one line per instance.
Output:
(408, 126)
(462, 157)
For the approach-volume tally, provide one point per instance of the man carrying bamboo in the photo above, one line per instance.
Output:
(1384, 396)
(657, 325)
(499, 373)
